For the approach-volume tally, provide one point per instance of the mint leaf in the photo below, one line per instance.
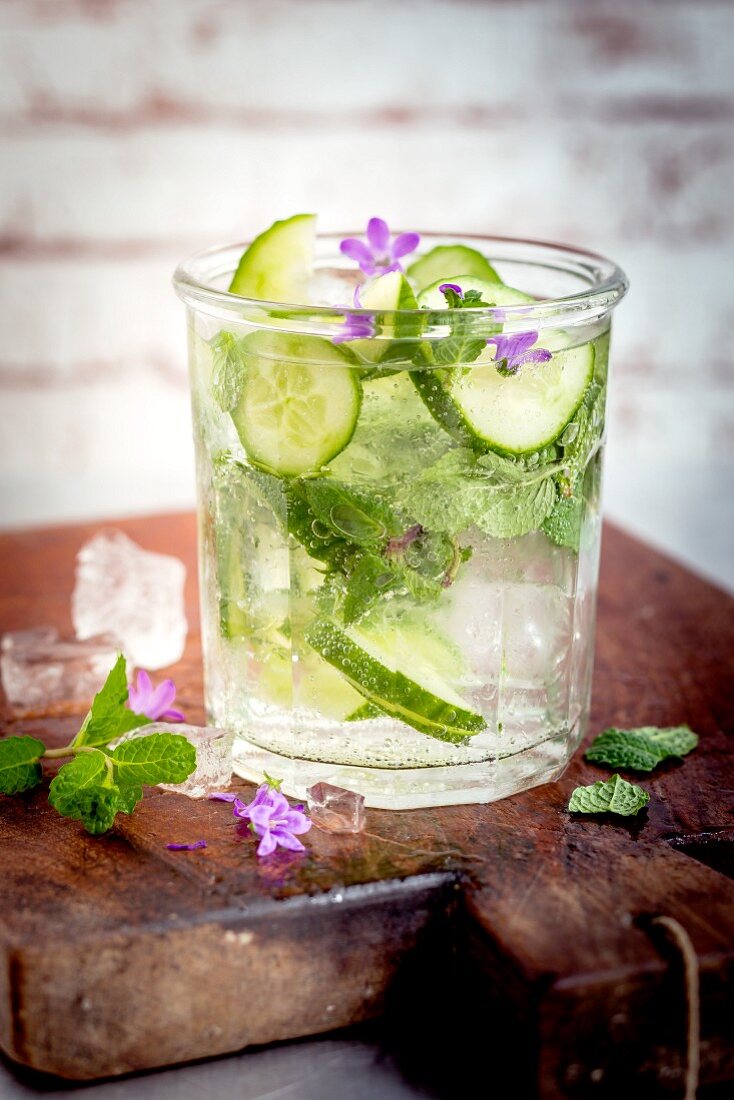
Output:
(228, 370)
(458, 492)
(350, 513)
(20, 767)
(110, 716)
(512, 512)
(563, 523)
(87, 770)
(583, 433)
(96, 808)
(641, 749)
(83, 790)
(157, 758)
(128, 798)
(615, 796)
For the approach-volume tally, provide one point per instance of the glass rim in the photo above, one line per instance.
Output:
(608, 283)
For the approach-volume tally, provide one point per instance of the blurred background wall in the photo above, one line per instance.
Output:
(136, 131)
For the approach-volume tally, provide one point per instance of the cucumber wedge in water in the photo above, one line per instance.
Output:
(401, 670)
(278, 263)
(443, 261)
(298, 404)
(386, 294)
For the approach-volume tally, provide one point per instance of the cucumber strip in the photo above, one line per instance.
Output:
(277, 265)
(371, 660)
(442, 261)
(299, 402)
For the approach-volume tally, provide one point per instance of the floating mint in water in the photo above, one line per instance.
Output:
(614, 796)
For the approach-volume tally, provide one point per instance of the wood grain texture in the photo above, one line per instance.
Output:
(118, 955)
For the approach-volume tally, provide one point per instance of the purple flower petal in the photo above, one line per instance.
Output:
(405, 243)
(260, 816)
(267, 845)
(296, 822)
(378, 234)
(240, 809)
(172, 716)
(145, 684)
(163, 696)
(451, 286)
(285, 840)
(222, 796)
(186, 847)
(356, 250)
(514, 350)
(540, 355)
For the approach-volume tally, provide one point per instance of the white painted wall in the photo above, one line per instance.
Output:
(135, 131)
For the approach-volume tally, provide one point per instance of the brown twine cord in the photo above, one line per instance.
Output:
(680, 938)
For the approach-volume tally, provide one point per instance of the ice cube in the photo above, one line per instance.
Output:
(537, 634)
(335, 809)
(39, 668)
(133, 593)
(213, 756)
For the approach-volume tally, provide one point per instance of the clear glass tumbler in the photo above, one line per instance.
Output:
(399, 523)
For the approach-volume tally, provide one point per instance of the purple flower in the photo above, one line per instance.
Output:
(154, 703)
(358, 326)
(452, 286)
(511, 352)
(186, 847)
(273, 820)
(380, 253)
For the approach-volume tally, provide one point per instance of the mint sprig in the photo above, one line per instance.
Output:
(641, 749)
(615, 796)
(97, 782)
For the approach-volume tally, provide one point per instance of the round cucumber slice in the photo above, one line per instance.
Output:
(437, 265)
(495, 292)
(298, 404)
(401, 670)
(513, 415)
(278, 263)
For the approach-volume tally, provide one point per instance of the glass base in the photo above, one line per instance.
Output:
(413, 788)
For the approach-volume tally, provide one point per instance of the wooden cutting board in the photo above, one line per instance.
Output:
(515, 940)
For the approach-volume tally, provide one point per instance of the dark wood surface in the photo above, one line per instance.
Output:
(510, 935)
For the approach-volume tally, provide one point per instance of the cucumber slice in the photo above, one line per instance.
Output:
(387, 293)
(510, 415)
(401, 669)
(277, 265)
(495, 292)
(444, 259)
(299, 402)
(525, 412)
